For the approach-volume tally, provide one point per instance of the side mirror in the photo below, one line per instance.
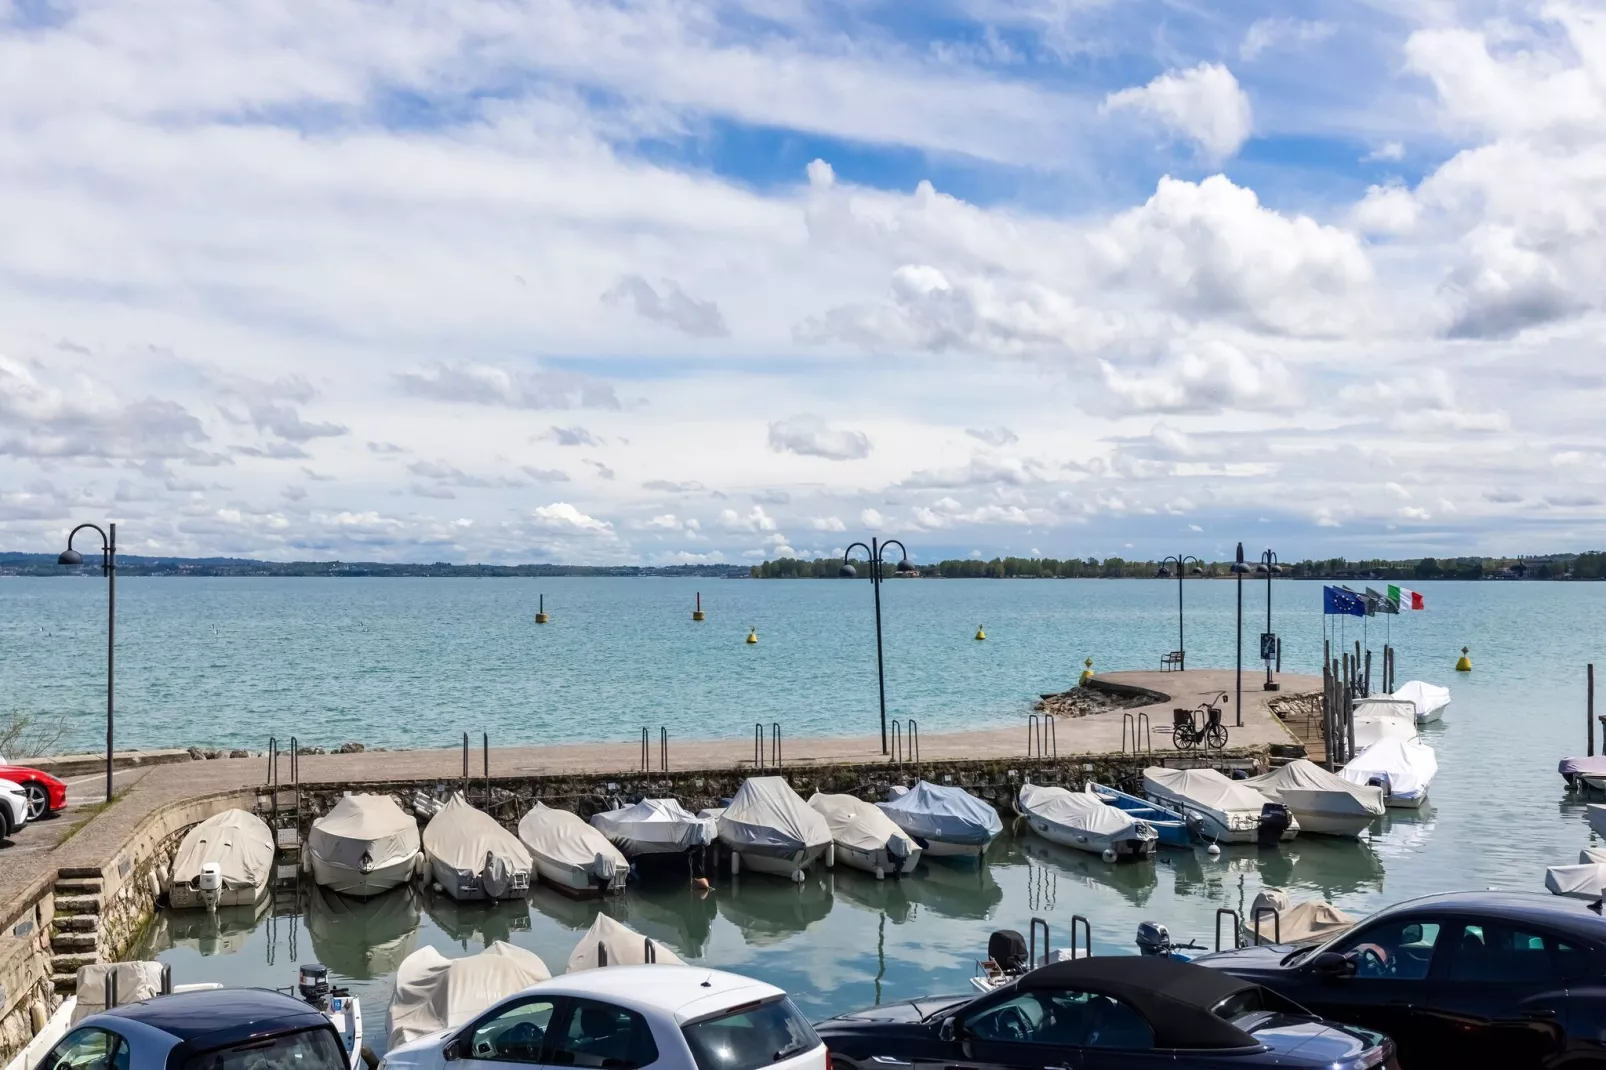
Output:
(1332, 966)
(451, 1053)
(950, 1028)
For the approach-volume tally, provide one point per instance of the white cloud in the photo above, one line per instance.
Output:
(563, 518)
(1280, 34)
(1204, 104)
(1208, 376)
(672, 308)
(755, 519)
(827, 523)
(872, 518)
(810, 436)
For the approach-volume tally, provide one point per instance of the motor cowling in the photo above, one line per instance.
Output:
(313, 984)
(1274, 821)
(1007, 947)
(1153, 938)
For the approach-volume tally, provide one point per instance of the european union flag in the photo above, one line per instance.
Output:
(1343, 603)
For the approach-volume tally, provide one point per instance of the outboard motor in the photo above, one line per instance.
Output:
(313, 984)
(1154, 939)
(1274, 821)
(211, 884)
(603, 869)
(1380, 782)
(1007, 948)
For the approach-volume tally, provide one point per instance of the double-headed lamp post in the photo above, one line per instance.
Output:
(1181, 561)
(1238, 570)
(108, 567)
(1268, 642)
(877, 551)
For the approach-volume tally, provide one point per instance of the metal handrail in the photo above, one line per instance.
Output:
(1052, 737)
(1142, 732)
(1276, 923)
(1031, 732)
(1087, 931)
(1237, 925)
(663, 749)
(465, 765)
(758, 745)
(1031, 951)
(896, 755)
(914, 739)
(644, 749)
(775, 743)
(485, 744)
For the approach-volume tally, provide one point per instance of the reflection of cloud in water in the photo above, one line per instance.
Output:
(1401, 832)
(473, 925)
(768, 910)
(362, 939)
(955, 887)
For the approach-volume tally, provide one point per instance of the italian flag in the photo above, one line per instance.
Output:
(1405, 599)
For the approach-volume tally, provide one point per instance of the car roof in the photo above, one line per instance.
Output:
(225, 1015)
(1573, 915)
(687, 992)
(1176, 998)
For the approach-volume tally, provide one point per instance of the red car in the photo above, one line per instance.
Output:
(46, 794)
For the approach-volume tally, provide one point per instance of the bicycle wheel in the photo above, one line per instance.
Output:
(1182, 738)
(1216, 736)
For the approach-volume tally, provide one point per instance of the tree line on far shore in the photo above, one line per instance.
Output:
(1590, 566)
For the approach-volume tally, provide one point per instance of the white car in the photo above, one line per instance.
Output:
(13, 808)
(629, 1018)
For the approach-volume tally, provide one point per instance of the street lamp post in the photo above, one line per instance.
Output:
(1238, 570)
(1181, 561)
(1268, 641)
(108, 567)
(877, 551)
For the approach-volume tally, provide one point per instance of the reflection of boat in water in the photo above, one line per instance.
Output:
(768, 912)
(479, 923)
(672, 913)
(880, 897)
(220, 932)
(955, 888)
(362, 939)
(1134, 883)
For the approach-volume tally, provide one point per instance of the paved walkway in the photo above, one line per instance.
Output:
(148, 789)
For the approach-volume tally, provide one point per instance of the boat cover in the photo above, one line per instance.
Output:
(565, 838)
(1587, 880)
(1205, 788)
(239, 842)
(1423, 697)
(466, 839)
(131, 982)
(1594, 766)
(1382, 718)
(1301, 775)
(655, 826)
(1075, 809)
(1592, 854)
(766, 813)
(861, 825)
(1595, 814)
(625, 947)
(949, 815)
(1297, 923)
(364, 833)
(1409, 765)
(434, 992)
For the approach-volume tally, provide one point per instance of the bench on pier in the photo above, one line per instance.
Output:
(1172, 661)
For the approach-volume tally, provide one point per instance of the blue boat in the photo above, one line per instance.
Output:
(1174, 829)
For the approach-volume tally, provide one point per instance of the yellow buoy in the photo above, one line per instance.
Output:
(697, 614)
(752, 635)
(980, 632)
(1464, 663)
(1087, 672)
(540, 611)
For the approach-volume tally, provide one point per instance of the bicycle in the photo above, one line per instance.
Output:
(1186, 733)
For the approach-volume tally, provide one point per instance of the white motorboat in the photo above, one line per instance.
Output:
(1403, 768)
(769, 829)
(944, 820)
(472, 857)
(612, 943)
(1586, 880)
(1082, 820)
(1228, 811)
(1274, 920)
(654, 827)
(365, 845)
(570, 855)
(866, 838)
(1383, 718)
(226, 860)
(1428, 701)
(1587, 772)
(1322, 802)
(434, 992)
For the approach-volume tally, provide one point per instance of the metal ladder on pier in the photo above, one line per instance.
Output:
(280, 807)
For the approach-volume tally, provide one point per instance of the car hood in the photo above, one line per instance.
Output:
(425, 1051)
(8, 788)
(1315, 1042)
(1262, 959)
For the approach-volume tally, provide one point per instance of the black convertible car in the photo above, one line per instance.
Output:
(1099, 1014)
(1499, 979)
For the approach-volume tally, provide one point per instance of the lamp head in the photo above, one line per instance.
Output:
(1163, 573)
(846, 571)
(70, 556)
(906, 567)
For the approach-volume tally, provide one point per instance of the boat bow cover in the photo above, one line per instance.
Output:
(1587, 880)
(1301, 775)
(239, 842)
(1382, 718)
(564, 838)
(625, 947)
(767, 813)
(861, 825)
(468, 840)
(661, 824)
(1075, 809)
(951, 815)
(434, 992)
(364, 833)
(1204, 787)
(1408, 764)
(1595, 766)
(1424, 697)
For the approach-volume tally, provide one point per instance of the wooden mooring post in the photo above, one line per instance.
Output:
(1589, 707)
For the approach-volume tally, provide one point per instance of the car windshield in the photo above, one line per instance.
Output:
(309, 1049)
(750, 1037)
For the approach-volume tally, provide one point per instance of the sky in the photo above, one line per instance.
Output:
(665, 282)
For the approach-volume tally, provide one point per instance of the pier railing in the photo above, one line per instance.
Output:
(774, 745)
(663, 750)
(1141, 730)
(899, 752)
(1041, 737)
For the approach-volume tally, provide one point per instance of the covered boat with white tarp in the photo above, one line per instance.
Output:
(472, 857)
(1403, 768)
(1589, 772)
(1280, 921)
(1428, 701)
(365, 845)
(1228, 810)
(570, 855)
(226, 860)
(944, 820)
(612, 943)
(768, 828)
(1320, 801)
(434, 992)
(655, 827)
(865, 838)
(1082, 820)
(1586, 880)
(1383, 718)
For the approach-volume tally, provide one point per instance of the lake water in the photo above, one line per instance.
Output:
(227, 661)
